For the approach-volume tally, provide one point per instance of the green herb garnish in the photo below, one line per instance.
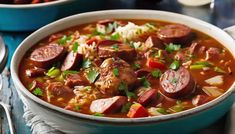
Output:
(92, 75)
(115, 47)
(136, 66)
(145, 82)
(172, 47)
(65, 73)
(126, 107)
(38, 91)
(53, 72)
(123, 87)
(156, 73)
(115, 36)
(116, 72)
(175, 65)
(161, 110)
(75, 47)
(64, 39)
(219, 70)
(77, 108)
(86, 63)
(98, 114)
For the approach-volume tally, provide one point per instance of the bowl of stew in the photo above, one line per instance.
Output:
(29, 15)
(136, 71)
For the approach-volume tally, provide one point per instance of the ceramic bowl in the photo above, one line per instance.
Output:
(71, 122)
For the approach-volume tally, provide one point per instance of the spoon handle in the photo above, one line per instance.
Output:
(5, 107)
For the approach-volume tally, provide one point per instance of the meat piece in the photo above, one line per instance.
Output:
(58, 88)
(199, 100)
(192, 48)
(109, 48)
(154, 41)
(177, 84)
(35, 72)
(147, 97)
(175, 33)
(108, 83)
(180, 56)
(22, 1)
(76, 80)
(109, 105)
(72, 61)
(212, 53)
(47, 55)
(142, 72)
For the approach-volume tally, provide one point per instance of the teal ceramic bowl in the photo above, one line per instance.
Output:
(184, 122)
(29, 17)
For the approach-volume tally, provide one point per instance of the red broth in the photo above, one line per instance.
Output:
(128, 68)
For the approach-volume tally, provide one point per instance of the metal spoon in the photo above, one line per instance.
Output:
(3, 60)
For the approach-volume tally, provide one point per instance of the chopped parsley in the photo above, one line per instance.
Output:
(92, 75)
(38, 92)
(136, 66)
(77, 108)
(123, 87)
(175, 65)
(115, 36)
(115, 47)
(116, 72)
(156, 73)
(161, 110)
(126, 107)
(64, 39)
(86, 63)
(98, 114)
(172, 47)
(75, 47)
(97, 33)
(145, 82)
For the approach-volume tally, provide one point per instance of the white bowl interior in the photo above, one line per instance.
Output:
(75, 20)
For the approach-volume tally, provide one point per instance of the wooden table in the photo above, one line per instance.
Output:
(221, 14)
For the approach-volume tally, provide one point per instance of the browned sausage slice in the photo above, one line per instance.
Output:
(154, 41)
(109, 48)
(177, 84)
(35, 72)
(147, 97)
(109, 105)
(76, 80)
(47, 55)
(72, 61)
(58, 88)
(175, 33)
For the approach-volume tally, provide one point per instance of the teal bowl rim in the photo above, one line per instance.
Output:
(90, 118)
(26, 6)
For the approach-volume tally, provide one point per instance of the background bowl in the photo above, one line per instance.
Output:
(71, 122)
(28, 17)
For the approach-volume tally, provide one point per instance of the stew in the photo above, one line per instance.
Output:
(128, 68)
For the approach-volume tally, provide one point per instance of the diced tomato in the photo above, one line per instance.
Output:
(91, 40)
(154, 63)
(136, 111)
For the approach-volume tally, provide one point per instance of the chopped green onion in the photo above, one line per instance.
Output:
(116, 72)
(97, 33)
(86, 63)
(205, 63)
(194, 67)
(219, 70)
(156, 73)
(75, 47)
(92, 75)
(172, 47)
(64, 39)
(145, 82)
(161, 110)
(115, 47)
(175, 65)
(53, 72)
(65, 73)
(115, 36)
(98, 114)
(177, 108)
(38, 92)
(77, 108)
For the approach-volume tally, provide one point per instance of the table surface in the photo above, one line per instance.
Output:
(221, 14)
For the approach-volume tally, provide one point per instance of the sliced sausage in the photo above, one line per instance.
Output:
(58, 88)
(108, 83)
(147, 97)
(177, 84)
(72, 61)
(213, 53)
(109, 48)
(175, 33)
(154, 41)
(76, 80)
(35, 72)
(47, 55)
(109, 105)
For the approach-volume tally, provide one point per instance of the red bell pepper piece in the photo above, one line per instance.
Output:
(154, 63)
(136, 111)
